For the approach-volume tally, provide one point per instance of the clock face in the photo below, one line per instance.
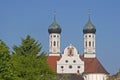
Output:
(70, 52)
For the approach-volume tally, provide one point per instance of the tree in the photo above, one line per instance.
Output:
(115, 76)
(27, 65)
(5, 66)
(28, 46)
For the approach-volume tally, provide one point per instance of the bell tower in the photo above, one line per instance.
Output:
(54, 38)
(89, 31)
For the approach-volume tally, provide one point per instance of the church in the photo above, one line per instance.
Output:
(71, 62)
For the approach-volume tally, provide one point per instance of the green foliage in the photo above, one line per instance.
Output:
(5, 67)
(115, 76)
(28, 46)
(26, 64)
(31, 68)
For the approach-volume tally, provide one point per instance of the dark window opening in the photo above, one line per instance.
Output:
(78, 66)
(54, 35)
(89, 44)
(54, 43)
(74, 61)
(86, 43)
(89, 35)
(66, 61)
(70, 67)
(62, 67)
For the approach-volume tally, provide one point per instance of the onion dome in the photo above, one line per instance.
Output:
(54, 27)
(89, 27)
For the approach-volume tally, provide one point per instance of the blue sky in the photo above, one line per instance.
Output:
(21, 17)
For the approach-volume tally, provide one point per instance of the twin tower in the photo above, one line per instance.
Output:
(89, 31)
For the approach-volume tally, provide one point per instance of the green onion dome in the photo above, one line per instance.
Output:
(54, 28)
(89, 27)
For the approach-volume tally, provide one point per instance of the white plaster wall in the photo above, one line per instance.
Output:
(90, 55)
(70, 59)
(97, 76)
(54, 49)
(89, 49)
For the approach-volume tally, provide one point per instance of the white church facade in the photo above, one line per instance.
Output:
(71, 61)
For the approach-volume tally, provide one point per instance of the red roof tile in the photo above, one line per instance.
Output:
(92, 65)
(52, 61)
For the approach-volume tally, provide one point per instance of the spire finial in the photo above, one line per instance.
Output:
(54, 15)
(89, 13)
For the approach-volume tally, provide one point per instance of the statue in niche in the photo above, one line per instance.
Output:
(70, 51)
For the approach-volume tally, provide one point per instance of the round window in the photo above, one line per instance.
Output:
(74, 61)
(78, 66)
(66, 61)
(70, 66)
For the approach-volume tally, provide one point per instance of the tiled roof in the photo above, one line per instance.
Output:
(92, 65)
(52, 61)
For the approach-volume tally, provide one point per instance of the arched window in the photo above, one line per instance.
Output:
(86, 43)
(93, 43)
(54, 43)
(54, 35)
(89, 35)
(78, 66)
(62, 67)
(89, 43)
